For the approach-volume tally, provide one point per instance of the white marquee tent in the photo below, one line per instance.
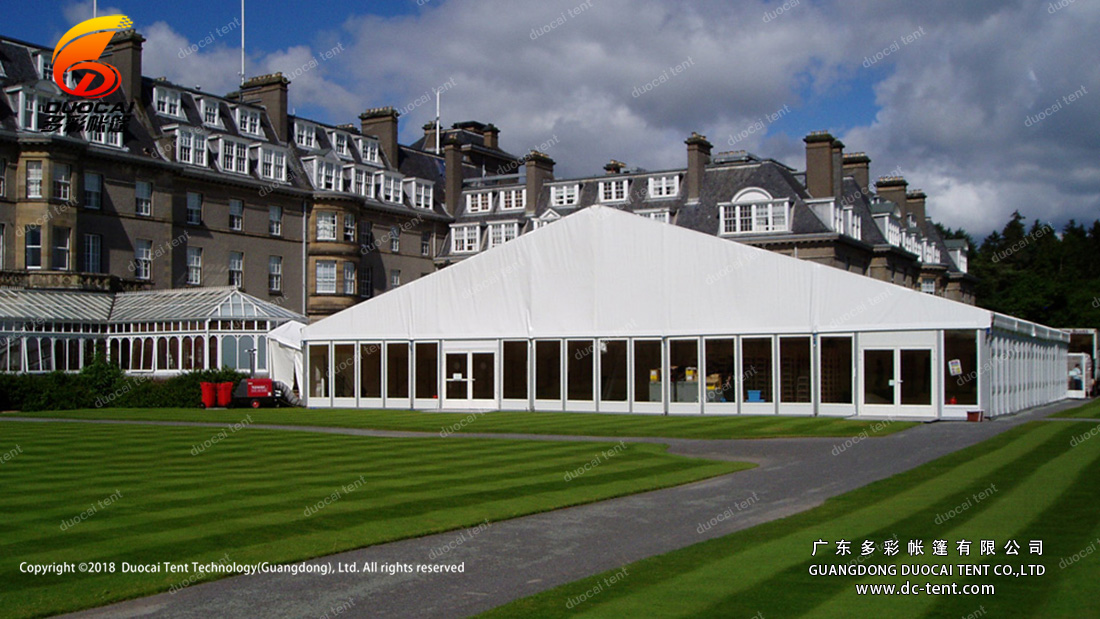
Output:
(609, 311)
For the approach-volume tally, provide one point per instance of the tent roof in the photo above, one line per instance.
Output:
(603, 273)
(288, 334)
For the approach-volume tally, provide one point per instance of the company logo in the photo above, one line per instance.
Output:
(80, 49)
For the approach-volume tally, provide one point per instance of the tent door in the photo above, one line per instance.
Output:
(897, 381)
(470, 380)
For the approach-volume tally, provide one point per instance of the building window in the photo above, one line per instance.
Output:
(190, 147)
(62, 181)
(93, 253)
(304, 135)
(34, 179)
(32, 236)
(3, 229)
(248, 121)
(326, 277)
(389, 188)
(349, 228)
(465, 239)
(614, 191)
(143, 198)
(273, 164)
(96, 132)
(275, 273)
(369, 148)
(194, 208)
(143, 259)
(194, 266)
(340, 142)
(326, 226)
(275, 220)
(168, 101)
(236, 269)
(422, 194)
(500, 234)
(324, 176)
(664, 186)
(234, 156)
(93, 191)
(395, 278)
(928, 285)
(366, 284)
(661, 216)
(426, 244)
(395, 239)
(360, 184)
(481, 202)
(512, 199)
(61, 245)
(236, 215)
(349, 278)
(763, 217)
(209, 112)
(564, 195)
(3, 176)
(366, 235)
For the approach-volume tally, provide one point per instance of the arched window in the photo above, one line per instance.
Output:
(147, 352)
(199, 352)
(229, 351)
(213, 365)
(173, 353)
(186, 355)
(753, 210)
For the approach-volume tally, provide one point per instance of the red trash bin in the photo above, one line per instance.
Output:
(208, 399)
(225, 394)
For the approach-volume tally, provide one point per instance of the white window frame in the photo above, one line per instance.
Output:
(273, 164)
(614, 191)
(29, 232)
(463, 241)
(395, 278)
(104, 138)
(275, 220)
(326, 276)
(664, 186)
(389, 187)
(565, 195)
(190, 147)
(34, 179)
(326, 225)
(275, 273)
(3, 176)
(325, 175)
(350, 228)
(207, 106)
(513, 199)
(305, 135)
(194, 266)
(395, 239)
(62, 181)
(369, 150)
(236, 269)
(662, 215)
(93, 253)
(143, 259)
(421, 193)
(167, 102)
(366, 283)
(236, 215)
(249, 121)
(93, 191)
(233, 155)
(360, 181)
(341, 143)
(755, 217)
(479, 201)
(143, 204)
(61, 249)
(194, 208)
(502, 232)
(350, 286)
(426, 244)
(928, 285)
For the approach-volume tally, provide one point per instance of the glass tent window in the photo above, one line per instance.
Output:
(836, 370)
(960, 371)
(427, 370)
(548, 370)
(794, 369)
(581, 362)
(613, 371)
(318, 371)
(370, 370)
(756, 369)
(647, 371)
(721, 370)
(397, 366)
(343, 371)
(515, 371)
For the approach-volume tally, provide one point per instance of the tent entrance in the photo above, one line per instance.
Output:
(470, 380)
(897, 381)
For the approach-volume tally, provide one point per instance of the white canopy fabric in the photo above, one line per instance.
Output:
(285, 353)
(602, 272)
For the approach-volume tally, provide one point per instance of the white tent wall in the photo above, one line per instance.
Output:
(602, 275)
(285, 354)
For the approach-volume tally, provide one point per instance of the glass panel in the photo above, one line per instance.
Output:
(916, 377)
(199, 352)
(343, 371)
(147, 354)
(318, 370)
(960, 367)
(721, 368)
(397, 366)
(229, 352)
(173, 353)
(836, 370)
(514, 369)
(581, 361)
(427, 370)
(647, 371)
(794, 369)
(613, 371)
(188, 354)
(458, 374)
(213, 353)
(683, 362)
(483, 375)
(370, 371)
(548, 370)
(878, 376)
(756, 367)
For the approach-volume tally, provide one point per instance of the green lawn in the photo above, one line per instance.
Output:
(1088, 411)
(1045, 489)
(245, 496)
(572, 424)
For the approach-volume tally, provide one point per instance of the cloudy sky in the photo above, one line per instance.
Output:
(990, 106)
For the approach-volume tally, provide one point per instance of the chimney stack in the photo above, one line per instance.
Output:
(540, 170)
(270, 92)
(614, 167)
(820, 158)
(893, 188)
(124, 53)
(838, 170)
(452, 184)
(698, 158)
(858, 166)
(492, 136)
(915, 201)
(381, 122)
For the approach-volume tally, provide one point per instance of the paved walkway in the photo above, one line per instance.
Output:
(516, 558)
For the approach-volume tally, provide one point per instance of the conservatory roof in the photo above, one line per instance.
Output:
(54, 305)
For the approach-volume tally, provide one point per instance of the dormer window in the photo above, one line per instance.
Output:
(420, 193)
(614, 191)
(340, 143)
(465, 239)
(43, 66)
(305, 135)
(389, 187)
(234, 156)
(369, 150)
(210, 114)
(106, 138)
(479, 202)
(190, 147)
(32, 112)
(754, 211)
(661, 215)
(248, 121)
(513, 199)
(324, 175)
(273, 164)
(359, 181)
(664, 186)
(167, 101)
(564, 195)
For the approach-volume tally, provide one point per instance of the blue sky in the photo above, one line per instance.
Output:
(948, 108)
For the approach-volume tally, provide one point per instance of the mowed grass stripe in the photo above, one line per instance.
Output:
(261, 482)
(732, 568)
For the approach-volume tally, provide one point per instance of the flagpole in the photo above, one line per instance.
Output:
(95, 8)
(242, 42)
(438, 127)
